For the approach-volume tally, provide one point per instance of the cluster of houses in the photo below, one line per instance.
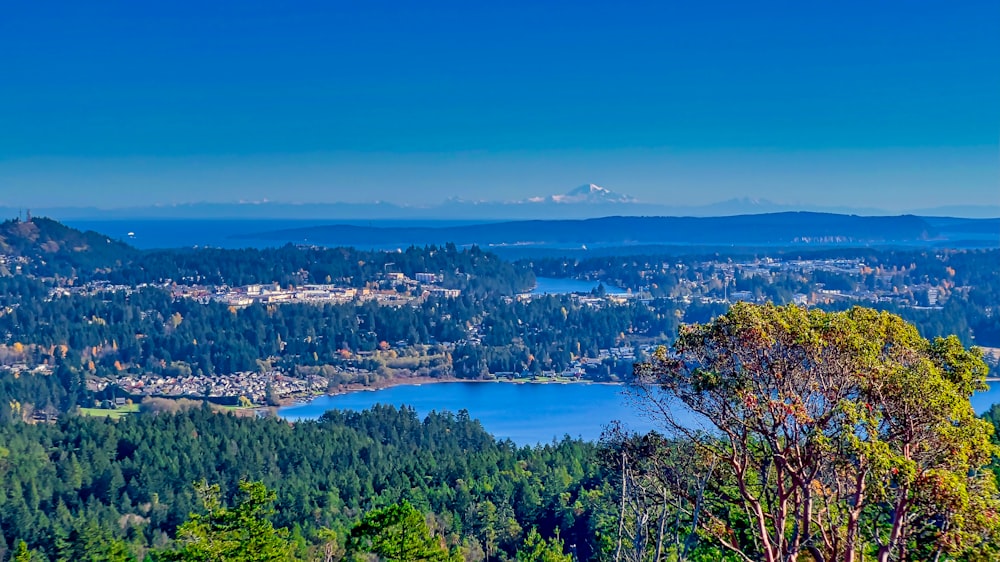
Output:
(93, 288)
(329, 293)
(21, 368)
(12, 264)
(272, 293)
(257, 387)
(578, 368)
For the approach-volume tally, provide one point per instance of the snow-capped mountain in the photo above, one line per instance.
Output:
(586, 201)
(587, 193)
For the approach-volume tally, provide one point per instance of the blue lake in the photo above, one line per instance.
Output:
(560, 286)
(524, 413)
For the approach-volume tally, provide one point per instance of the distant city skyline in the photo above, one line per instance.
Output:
(890, 106)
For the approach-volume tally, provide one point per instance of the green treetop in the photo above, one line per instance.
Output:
(397, 533)
(241, 533)
(835, 436)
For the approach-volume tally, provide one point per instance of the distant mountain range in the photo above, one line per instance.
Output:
(586, 201)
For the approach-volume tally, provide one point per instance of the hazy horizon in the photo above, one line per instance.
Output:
(890, 106)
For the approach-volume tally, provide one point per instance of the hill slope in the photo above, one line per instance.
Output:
(51, 246)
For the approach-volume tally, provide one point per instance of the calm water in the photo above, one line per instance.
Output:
(558, 286)
(983, 400)
(524, 413)
(220, 233)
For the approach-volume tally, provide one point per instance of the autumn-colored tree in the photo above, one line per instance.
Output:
(839, 435)
(175, 320)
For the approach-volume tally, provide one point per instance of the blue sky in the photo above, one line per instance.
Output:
(869, 104)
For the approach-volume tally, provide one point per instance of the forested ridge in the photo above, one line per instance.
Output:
(132, 480)
(769, 228)
(151, 329)
(54, 251)
(105, 315)
(967, 282)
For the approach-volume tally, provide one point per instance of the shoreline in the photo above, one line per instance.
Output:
(352, 388)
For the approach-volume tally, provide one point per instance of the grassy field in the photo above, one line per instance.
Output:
(121, 411)
(113, 414)
(237, 408)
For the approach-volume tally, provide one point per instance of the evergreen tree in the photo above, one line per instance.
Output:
(397, 533)
(537, 549)
(241, 533)
(22, 553)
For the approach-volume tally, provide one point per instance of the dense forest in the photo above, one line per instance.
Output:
(132, 480)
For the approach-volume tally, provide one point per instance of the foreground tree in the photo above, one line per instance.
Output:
(398, 532)
(22, 553)
(660, 493)
(836, 435)
(537, 549)
(239, 533)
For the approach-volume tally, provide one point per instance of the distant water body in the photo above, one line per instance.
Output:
(149, 234)
(527, 414)
(982, 401)
(560, 286)
(146, 233)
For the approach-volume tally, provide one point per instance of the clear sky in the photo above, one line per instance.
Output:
(878, 104)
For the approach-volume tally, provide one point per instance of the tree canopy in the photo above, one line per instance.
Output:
(835, 435)
(241, 533)
(397, 533)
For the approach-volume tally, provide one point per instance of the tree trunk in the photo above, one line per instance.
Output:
(898, 515)
(621, 515)
(850, 542)
(659, 533)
